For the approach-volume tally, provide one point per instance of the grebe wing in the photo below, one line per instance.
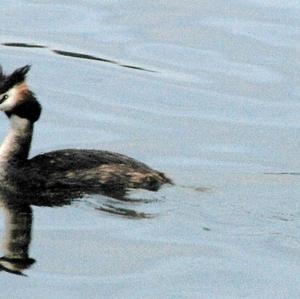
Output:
(89, 171)
(76, 159)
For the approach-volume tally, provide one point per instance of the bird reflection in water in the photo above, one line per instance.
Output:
(18, 214)
(17, 236)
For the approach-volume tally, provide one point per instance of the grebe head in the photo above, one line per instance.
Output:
(16, 98)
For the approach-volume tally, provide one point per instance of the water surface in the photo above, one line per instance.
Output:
(207, 92)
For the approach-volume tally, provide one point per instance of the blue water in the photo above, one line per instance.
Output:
(207, 92)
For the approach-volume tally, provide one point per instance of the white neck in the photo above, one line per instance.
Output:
(16, 145)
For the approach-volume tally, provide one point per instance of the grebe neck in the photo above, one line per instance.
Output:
(16, 145)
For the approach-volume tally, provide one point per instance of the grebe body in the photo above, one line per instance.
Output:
(72, 169)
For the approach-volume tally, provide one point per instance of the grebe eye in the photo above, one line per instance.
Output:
(3, 98)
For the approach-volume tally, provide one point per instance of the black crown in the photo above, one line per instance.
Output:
(18, 76)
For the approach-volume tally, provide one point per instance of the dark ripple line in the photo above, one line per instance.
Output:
(127, 213)
(282, 173)
(77, 55)
(82, 56)
(22, 45)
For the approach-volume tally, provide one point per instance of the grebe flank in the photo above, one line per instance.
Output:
(93, 170)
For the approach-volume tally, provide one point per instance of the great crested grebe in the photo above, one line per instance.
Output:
(71, 169)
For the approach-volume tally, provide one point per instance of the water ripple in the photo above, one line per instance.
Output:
(77, 55)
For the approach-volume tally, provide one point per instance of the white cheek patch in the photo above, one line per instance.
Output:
(11, 101)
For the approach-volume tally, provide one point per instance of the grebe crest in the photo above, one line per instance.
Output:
(81, 171)
(16, 98)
